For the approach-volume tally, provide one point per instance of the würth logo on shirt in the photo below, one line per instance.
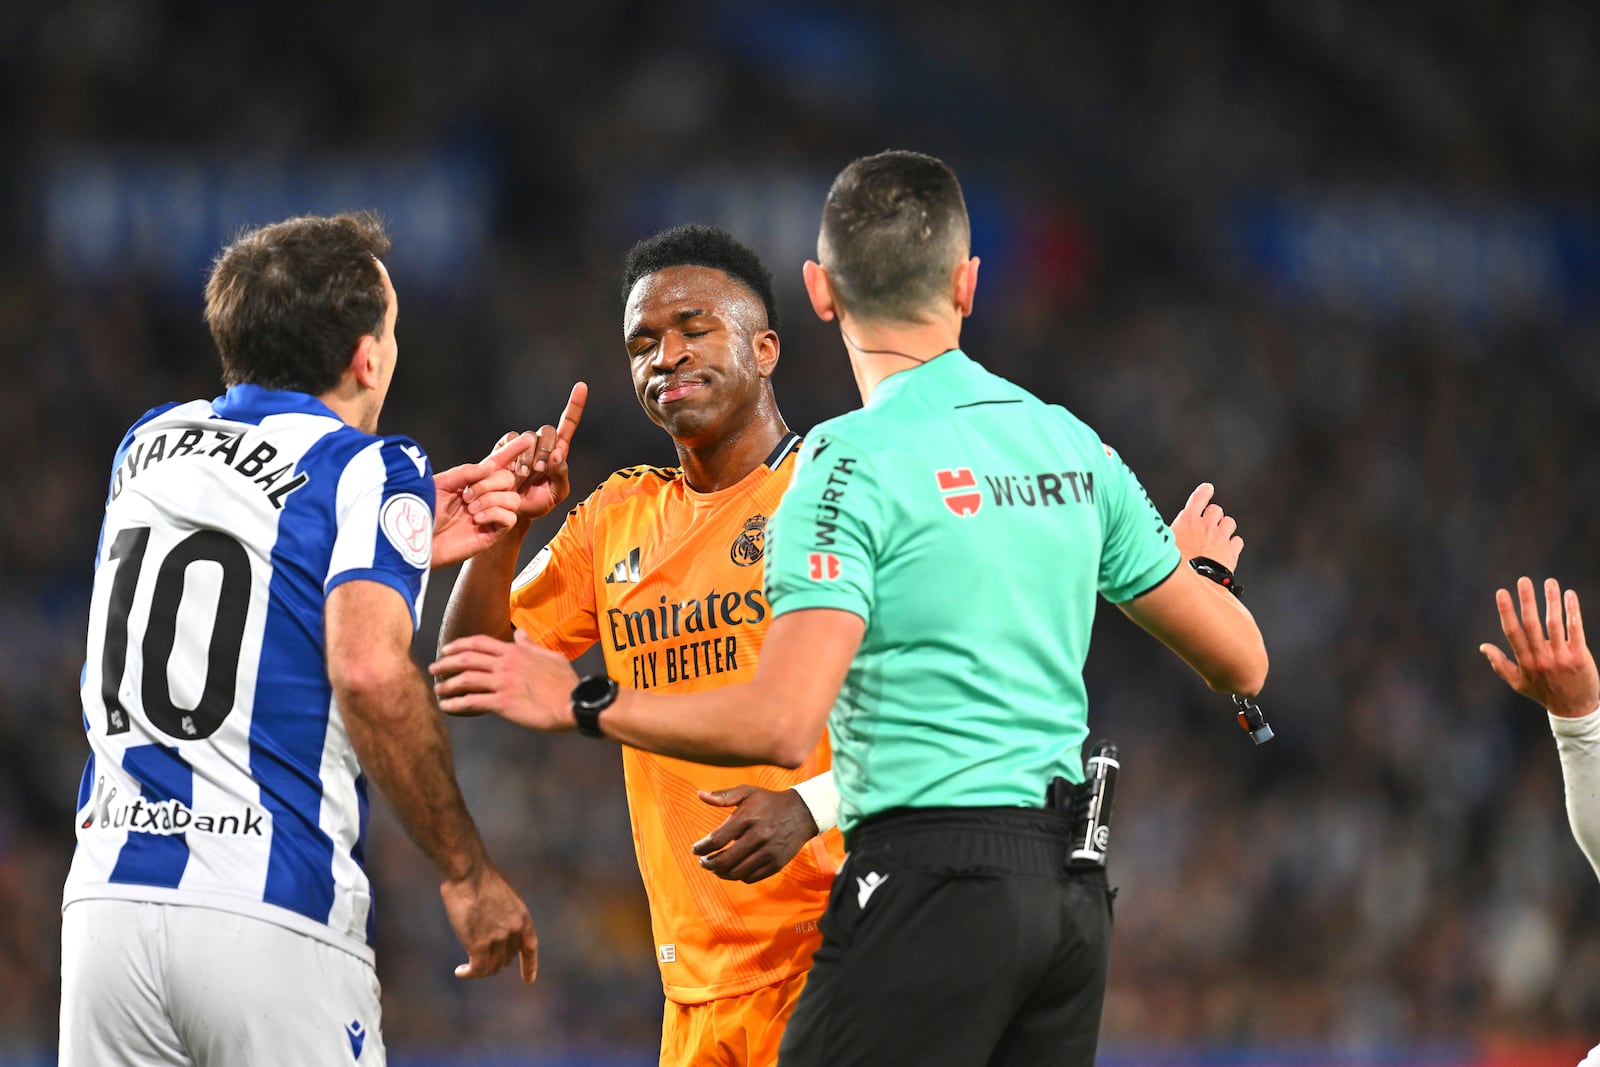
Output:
(960, 489)
(824, 567)
(625, 570)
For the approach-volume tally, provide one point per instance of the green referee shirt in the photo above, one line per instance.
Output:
(970, 525)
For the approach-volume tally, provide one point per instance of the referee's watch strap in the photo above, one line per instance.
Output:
(821, 799)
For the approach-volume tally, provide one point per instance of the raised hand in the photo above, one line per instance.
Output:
(1202, 528)
(1552, 664)
(476, 503)
(759, 837)
(545, 481)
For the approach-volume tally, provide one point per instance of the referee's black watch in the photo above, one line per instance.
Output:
(590, 697)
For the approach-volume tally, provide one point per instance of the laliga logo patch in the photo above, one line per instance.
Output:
(951, 484)
(534, 568)
(408, 524)
(751, 542)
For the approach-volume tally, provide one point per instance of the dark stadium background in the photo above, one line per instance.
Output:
(1340, 258)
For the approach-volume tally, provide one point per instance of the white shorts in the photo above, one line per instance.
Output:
(166, 985)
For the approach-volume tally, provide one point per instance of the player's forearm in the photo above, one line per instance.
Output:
(480, 601)
(399, 737)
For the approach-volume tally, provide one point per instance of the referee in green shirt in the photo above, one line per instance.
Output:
(933, 574)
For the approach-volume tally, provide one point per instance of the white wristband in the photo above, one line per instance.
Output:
(1583, 728)
(821, 799)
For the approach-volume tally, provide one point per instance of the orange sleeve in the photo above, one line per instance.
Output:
(552, 599)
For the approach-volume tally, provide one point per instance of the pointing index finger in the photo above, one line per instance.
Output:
(570, 417)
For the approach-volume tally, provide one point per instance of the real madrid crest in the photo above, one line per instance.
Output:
(751, 542)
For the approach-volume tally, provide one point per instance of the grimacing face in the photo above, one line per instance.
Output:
(694, 338)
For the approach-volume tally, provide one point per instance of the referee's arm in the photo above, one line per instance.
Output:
(1208, 627)
(775, 718)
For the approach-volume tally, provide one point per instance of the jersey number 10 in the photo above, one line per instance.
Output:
(161, 631)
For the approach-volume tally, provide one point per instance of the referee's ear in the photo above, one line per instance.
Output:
(820, 289)
(964, 285)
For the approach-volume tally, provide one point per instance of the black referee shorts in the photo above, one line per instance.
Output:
(956, 936)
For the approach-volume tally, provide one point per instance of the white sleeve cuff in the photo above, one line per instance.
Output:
(822, 799)
(1583, 728)
(1578, 743)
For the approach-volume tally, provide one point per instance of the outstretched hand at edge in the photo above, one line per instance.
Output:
(1550, 663)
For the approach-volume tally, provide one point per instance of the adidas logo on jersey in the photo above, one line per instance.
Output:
(625, 570)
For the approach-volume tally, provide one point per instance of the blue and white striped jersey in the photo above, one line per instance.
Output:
(220, 774)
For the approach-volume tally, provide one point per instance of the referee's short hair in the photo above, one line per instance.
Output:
(697, 245)
(893, 228)
(288, 303)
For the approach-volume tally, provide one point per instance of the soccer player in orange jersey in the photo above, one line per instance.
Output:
(662, 567)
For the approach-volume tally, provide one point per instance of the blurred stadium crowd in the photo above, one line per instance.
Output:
(1339, 258)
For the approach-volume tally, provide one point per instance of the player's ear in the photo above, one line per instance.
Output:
(766, 346)
(365, 363)
(964, 284)
(820, 290)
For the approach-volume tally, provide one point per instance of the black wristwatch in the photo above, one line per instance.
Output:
(590, 697)
(1210, 568)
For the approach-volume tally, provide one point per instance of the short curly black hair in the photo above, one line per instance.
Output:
(696, 245)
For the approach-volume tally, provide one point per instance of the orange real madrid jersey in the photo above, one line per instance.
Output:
(668, 581)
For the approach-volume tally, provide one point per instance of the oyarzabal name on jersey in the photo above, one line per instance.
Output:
(166, 817)
(277, 482)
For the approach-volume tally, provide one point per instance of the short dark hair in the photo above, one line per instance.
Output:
(287, 303)
(893, 226)
(696, 245)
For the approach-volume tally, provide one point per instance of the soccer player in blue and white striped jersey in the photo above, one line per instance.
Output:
(259, 578)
